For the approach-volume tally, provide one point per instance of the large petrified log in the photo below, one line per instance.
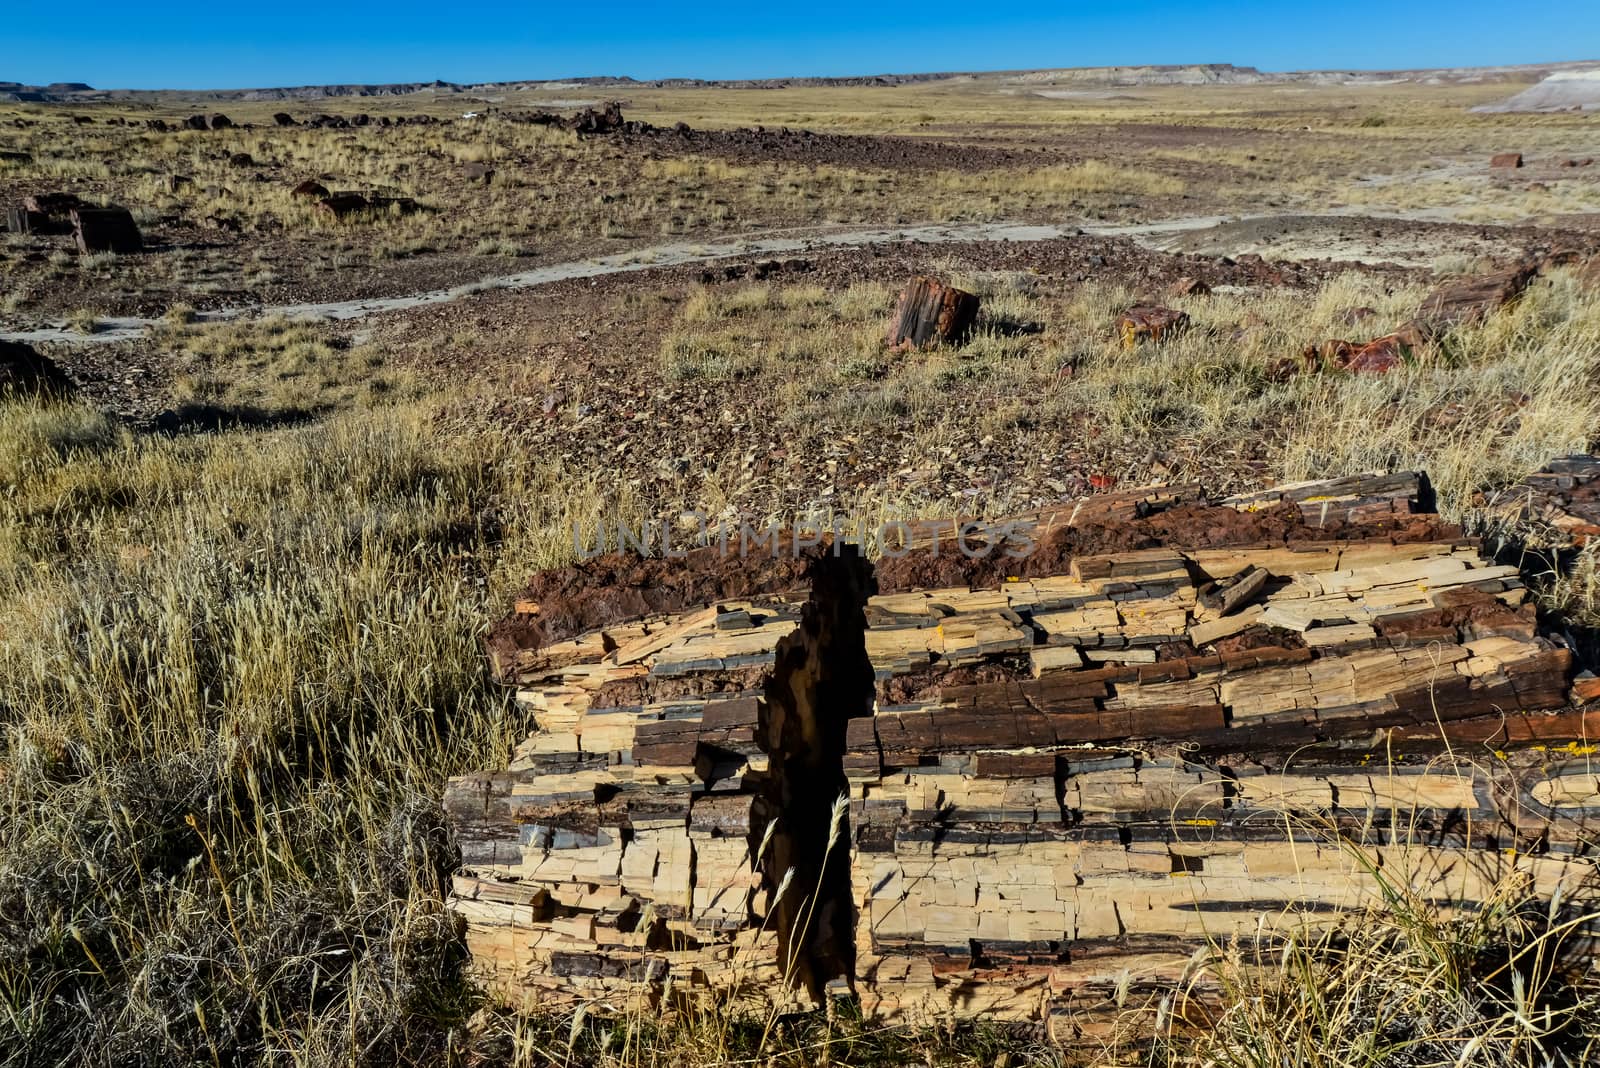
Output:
(1452, 304)
(1077, 747)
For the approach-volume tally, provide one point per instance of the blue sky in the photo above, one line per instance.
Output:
(188, 44)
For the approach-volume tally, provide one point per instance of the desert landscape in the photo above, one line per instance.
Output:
(1170, 635)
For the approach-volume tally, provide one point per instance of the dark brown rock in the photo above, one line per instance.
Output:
(343, 205)
(106, 230)
(26, 373)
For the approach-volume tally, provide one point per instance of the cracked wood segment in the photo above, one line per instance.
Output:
(931, 312)
(1032, 833)
(618, 852)
(1558, 505)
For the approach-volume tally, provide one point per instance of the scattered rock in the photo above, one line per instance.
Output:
(283, 118)
(241, 159)
(219, 121)
(477, 172)
(1188, 286)
(310, 190)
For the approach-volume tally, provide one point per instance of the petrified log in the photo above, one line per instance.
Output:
(1149, 323)
(219, 121)
(1104, 735)
(398, 205)
(43, 213)
(931, 312)
(343, 205)
(632, 839)
(1474, 299)
(1558, 505)
(283, 118)
(310, 190)
(1450, 305)
(1510, 160)
(109, 229)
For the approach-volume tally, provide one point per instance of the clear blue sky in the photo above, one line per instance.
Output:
(188, 44)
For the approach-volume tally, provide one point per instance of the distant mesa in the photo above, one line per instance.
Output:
(1565, 90)
(1566, 84)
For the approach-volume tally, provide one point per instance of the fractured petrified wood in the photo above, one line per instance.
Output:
(1166, 723)
(1471, 300)
(1558, 505)
(931, 312)
(1150, 323)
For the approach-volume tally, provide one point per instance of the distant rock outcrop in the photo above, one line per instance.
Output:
(1565, 90)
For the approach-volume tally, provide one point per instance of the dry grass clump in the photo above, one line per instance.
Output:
(1411, 984)
(275, 369)
(234, 672)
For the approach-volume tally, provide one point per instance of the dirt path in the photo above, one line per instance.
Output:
(1164, 235)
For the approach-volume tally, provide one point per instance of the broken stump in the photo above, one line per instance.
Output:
(105, 230)
(931, 313)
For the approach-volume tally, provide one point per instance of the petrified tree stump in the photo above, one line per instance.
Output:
(105, 230)
(931, 312)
